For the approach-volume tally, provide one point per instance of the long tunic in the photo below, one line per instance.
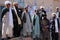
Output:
(36, 28)
(6, 30)
(45, 29)
(53, 28)
(17, 30)
(27, 28)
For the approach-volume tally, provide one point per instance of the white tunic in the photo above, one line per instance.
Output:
(56, 25)
(57, 14)
(6, 29)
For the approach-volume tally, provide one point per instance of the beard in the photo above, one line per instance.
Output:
(54, 17)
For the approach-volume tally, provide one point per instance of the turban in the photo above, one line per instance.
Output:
(57, 7)
(53, 14)
(41, 7)
(7, 2)
(15, 3)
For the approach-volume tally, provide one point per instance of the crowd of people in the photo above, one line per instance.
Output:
(17, 22)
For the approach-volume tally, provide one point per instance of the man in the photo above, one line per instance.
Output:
(54, 27)
(18, 12)
(45, 23)
(57, 12)
(40, 13)
(27, 23)
(18, 9)
(36, 26)
(8, 16)
(42, 9)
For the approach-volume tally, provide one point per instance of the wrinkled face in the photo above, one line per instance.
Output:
(8, 5)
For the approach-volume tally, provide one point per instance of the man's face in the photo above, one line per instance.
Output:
(16, 5)
(57, 9)
(8, 5)
(27, 9)
(42, 9)
(54, 16)
(45, 17)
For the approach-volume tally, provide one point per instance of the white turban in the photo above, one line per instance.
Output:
(7, 2)
(41, 7)
(53, 14)
(15, 3)
(57, 7)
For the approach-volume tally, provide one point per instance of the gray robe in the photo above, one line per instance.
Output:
(27, 27)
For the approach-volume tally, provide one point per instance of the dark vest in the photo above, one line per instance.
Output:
(53, 25)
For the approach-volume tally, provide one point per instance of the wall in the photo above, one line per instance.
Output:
(50, 5)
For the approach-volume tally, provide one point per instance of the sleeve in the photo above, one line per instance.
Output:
(34, 20)
(58, 23)
(52, 28)
(14, 15)
(44, 12)
(3, 13)
(30, 18)
(24, 17)
(49, 25)
(59, 14)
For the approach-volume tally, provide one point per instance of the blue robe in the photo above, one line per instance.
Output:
(36, 28)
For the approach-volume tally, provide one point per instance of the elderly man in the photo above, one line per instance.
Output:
(18, 11)
(9, 20)
(57, 12)
(54, 27)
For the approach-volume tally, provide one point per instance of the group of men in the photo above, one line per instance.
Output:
(11, 20)
(18, 22)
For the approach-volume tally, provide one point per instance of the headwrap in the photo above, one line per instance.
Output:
(41, 7)
(15, 3)
(53, 14)
(7, 2)
(57, 7)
